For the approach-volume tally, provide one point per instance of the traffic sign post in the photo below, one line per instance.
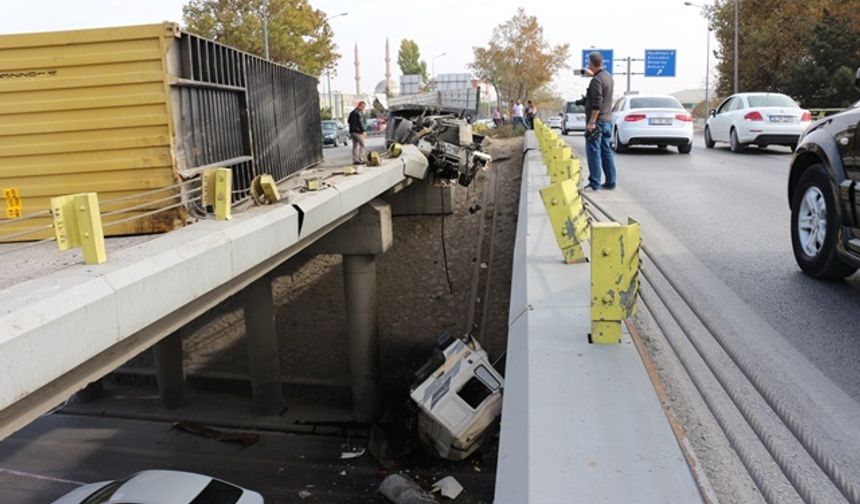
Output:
(660, 62)
(607, 58)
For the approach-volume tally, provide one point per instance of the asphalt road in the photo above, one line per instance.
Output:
(731, 212)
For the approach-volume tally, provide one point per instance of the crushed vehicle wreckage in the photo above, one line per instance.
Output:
(459, 394)
(444, 136)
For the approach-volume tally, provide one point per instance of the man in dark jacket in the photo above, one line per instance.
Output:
(356, 133)
(598, 132)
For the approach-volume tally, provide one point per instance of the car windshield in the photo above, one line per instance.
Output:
(104, 493)
(573, 108)
(775, 100)
(655, 102)
(329, 127)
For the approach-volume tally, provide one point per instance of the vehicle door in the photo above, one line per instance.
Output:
(737, 111)
(721, 122)
(848, 141)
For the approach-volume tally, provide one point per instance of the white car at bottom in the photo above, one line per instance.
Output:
(760, 119)
(162, 487)
(651, 120)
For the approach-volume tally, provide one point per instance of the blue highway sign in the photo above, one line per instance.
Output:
(607, 58)
(660, 62)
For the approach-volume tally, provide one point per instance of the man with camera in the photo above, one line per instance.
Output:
(598, 131)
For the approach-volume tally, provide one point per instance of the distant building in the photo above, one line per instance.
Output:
(690, 98)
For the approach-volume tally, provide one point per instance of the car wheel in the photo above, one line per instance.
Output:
(564, 132)
(735, 143)
(685, 149)
(815, 225)
(709, 141)
(617, 146)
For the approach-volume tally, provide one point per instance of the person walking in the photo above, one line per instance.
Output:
(531, 113)
(598, 131)
(518, 113)
(356, 133)
(497, 117)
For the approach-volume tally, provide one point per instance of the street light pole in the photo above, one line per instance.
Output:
(433, 63)
(707, 57)
(736, 54)
(328, 71)
(266, 29)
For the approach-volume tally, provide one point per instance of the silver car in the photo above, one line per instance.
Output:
(574, 118)
(161, 487)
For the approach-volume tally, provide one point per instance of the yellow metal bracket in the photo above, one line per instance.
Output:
(566, 169)
(78, 223)
(14, 206)
(567, 217)
(614, 278)
(264, 190)
(218, 191)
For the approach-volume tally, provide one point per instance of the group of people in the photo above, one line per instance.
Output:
(521, 115)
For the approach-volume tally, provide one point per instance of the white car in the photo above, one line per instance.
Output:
(760, 119)
(574, 118)
(554, 122)
(651, 120)
(161, 487)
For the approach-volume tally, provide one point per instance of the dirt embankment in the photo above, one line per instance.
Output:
(416, 304)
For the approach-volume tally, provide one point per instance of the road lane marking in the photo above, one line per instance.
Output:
(24, 474)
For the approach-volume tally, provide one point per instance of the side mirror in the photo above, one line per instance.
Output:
(857, 79)
(712, 112)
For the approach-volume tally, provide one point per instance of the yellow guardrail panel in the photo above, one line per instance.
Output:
(567, 217)
(217, 191)
(562, 170)
(614, 278)
(78, 223)
(14, 206)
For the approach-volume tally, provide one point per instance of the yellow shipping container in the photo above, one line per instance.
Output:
(133, 113)
(88, 111)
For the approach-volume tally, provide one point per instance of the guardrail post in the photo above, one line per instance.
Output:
(566, 212)
(218, 190)
(614, 278)
(78, 223)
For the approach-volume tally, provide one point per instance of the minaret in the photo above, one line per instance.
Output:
(387, 70)
(357, 73)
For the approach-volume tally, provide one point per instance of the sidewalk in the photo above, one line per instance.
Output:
(580, 422)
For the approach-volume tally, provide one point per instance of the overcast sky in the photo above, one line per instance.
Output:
(453, 27)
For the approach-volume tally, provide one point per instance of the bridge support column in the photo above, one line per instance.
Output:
(169, 372)
(359, 241)
(359, 280)
(262, 338)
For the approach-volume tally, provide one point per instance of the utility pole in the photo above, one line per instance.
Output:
(736, 54)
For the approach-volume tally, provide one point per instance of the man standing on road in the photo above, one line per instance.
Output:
(530, 115)
(356, 133)
(598, 106)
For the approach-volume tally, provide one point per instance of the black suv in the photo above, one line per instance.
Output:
(824, 193)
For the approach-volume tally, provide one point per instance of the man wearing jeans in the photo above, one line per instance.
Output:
(356, 133)
(598, 132)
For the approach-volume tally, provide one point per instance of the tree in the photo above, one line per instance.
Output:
(808, 50)
(299, 35)
(409, 60)
(518, 60)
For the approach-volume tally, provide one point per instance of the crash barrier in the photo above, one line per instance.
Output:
(614, 247)
(76, 220)
(134, 112)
